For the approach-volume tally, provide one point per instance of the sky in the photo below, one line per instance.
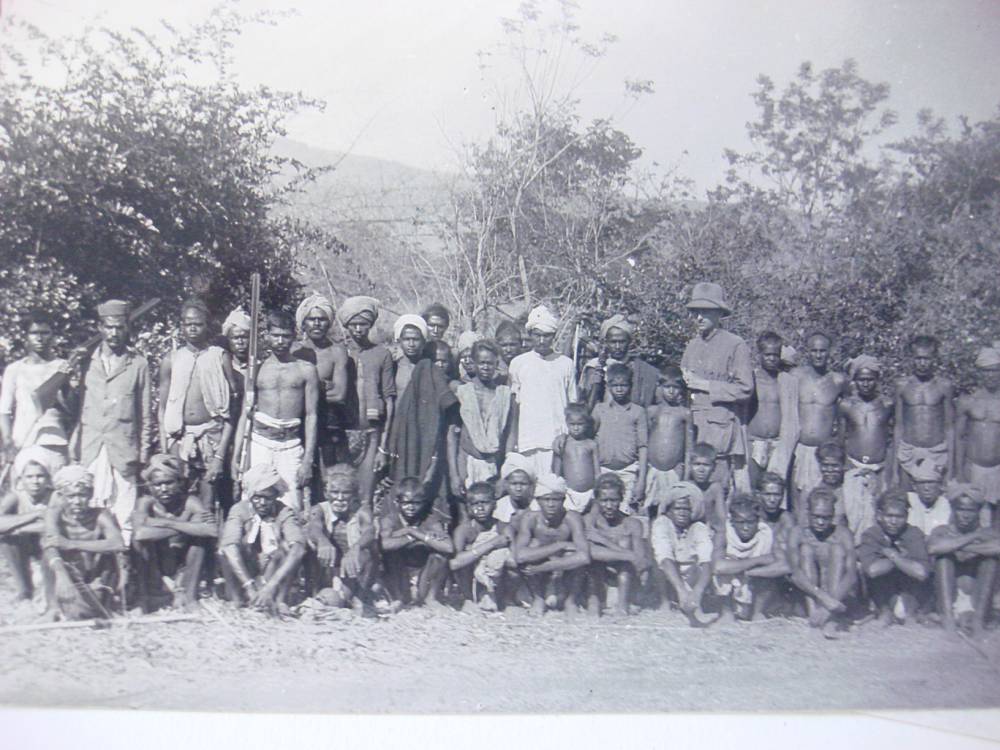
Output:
(401, 78)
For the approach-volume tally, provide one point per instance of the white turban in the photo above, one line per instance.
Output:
(550, 484)
(236, 319)
(616, 321)
(354, 306)
(467, 339)
(307, 305)
(517, 462)
(409, 320)
(35, 454)
(540, 319)
(260, 477)
(72, 476)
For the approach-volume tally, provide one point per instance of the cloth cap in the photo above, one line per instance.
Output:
(689, 490)
(409, 320)
(354, 306)
(955, 490)
(262, 477)
(467, 339)
(989, 356)
(72, 476)
(925, 471)
(237, 319)
(540, 319)
(550, 484)
(113, 308)
(313, 301)
(708, 295)
(863, 362)
(517, 462)
(165, 463)
(34, 454)
(616, 321)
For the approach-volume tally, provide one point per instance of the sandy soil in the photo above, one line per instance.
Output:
(454, 662)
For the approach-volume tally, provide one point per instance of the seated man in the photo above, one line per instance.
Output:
(748, 564)
(415, 547)
(550, 549)
(770, 495)
(262, 544)
(823, 561)
(894, 560)
(517, 479)
(683, 549)
(929, 507)
(342, 536)
(482, 548)
(22, 513)
(83, 548)
(172, 535)
(965, 561)
(618, 550)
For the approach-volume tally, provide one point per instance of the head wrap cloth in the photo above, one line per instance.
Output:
(550, 484)
(261, 477)
(467, 339)
(307, 305)
(34, 454)
(616, 321)
(237, 319)
(863, 362)
(955, 490)
(689, 490)
(517, 462)
(354, 306)
(113, 308)
(409, 320)
(541, 320)
(165, 463)
(72, 476)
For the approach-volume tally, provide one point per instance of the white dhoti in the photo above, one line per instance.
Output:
(736, 585)
(541, 461)
(578, 501)
(805, 473)
(114, 491)
(658, 484)
(862, 486)
(479, 470)
(286, 457)
(490, 566)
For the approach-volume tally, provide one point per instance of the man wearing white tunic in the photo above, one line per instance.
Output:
(543, 383)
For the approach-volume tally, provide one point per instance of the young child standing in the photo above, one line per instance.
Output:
(702, 464)
(575, 458)
(671, 437)
(623, 436)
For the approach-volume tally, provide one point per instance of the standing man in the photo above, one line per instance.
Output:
(236, 331)
(774, 412)
(924, 417)
(116, 431)
(543, 383)
(719, 375)
(371, 393)
(283, 425)
(196, 390)
(23, 420)
(314, 317)
(820, 391)
(977, 431)
(616, 339)
(438, 320)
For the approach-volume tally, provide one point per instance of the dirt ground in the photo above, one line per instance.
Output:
(458, 663)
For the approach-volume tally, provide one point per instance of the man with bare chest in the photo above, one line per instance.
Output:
(865, 424)
(977, 449)
(551, 550)
(924, 417)
(282, 424)
(820, 391)
(773, 428)
(314, 317)
(196, 390)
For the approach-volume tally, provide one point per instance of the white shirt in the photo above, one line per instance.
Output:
(543, 388)
(927, 519)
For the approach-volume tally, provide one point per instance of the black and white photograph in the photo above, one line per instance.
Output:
(531, 358)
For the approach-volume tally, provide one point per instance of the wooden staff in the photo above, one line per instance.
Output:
(250, 392)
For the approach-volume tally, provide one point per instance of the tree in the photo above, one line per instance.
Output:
(138, 167)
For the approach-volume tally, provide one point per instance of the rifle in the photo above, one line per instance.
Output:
(250, 392)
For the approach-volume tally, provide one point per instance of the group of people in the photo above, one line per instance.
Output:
(497, 472)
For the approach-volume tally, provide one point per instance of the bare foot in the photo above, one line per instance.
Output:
(593, 606)
(830, 630)
(487, 603)
(538, 606)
